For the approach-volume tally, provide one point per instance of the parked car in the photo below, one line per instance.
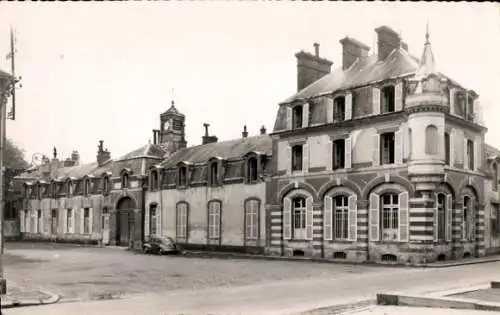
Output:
(160, 245)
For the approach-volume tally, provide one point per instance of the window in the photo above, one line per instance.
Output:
(125, 180)
(214, 219)
(54, 189)
(390, 217)
(69, 220)
(154, 180)
(26, 220)
(86, 221)
(53, 222)
(214, 173)
(70, 188)
(495, 177)
(431, 140)
(470, 108)
(470, 154)
(447, 148)
(152, 219)
(105, 184)
(252, 170)
(182, 220)
(441, 216)
(387, 99)
(410, 142)
(183, 176)
(39, 191)
(177, 124)
(39, 222)
(387, 148)
(339, 109)
(338, 154)
(103, 217)
(297, 157)
(297, 117)
(460, 103)
(467, 215)
(252, 219)
(341, 217)
(86, 188)
(299, 218)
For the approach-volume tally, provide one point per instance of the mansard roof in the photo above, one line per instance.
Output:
(146, 151)
(230, 149)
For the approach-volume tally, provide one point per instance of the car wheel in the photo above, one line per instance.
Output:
(145, 250)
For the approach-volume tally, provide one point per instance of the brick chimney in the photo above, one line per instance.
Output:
(102, 155)
(206, 139)
(310, 67)
(388, 40)
(352, 49)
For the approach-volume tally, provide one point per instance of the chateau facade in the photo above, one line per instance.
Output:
(382, 159)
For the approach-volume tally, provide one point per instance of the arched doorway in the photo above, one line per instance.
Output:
(124, 221)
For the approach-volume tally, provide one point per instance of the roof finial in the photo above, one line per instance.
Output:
(173, 101)
(427, 33)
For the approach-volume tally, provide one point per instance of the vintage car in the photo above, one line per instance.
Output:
(160, 245)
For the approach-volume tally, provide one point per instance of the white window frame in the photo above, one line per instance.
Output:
(69, 220)
(389, 213)
(441, 208)
(214, 219)
(152, 219)
(299, 223)
(181, 220)
(252, 219)
(341, 218)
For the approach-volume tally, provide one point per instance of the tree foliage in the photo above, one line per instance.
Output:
(14, 156)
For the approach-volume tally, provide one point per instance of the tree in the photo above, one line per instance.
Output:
(14, 156)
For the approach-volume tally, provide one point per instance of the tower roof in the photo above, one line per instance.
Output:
(172, 111)
(427, 64)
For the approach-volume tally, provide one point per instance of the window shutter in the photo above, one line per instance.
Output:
(288, 159)
(449, 216)
(147, 220)
(374, 217)
(82, 220)
(305, 157)
(348, 152)
(64, 216)
(472, 220)
(309, 218)
(353, 218)
(327, 219)
(158, 217)
(33, 220)
(376, 149)
(452, 147)
(305, 115)
(329, 154)
(288, 117)
(91, 219)
(376, 100)
(21, 221)
(287, 218)
(436, 217)
(73, 221)
(398, 97)
(348, 106)
(466, 158)
(398, 147)
(329, 109)
(404, 220)
(477, 153)
(452, 101)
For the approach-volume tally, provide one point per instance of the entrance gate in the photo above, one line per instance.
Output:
(125, 221)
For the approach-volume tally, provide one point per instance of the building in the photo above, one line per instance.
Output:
(382, 159)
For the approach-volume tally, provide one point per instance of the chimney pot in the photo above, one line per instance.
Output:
(316, 49)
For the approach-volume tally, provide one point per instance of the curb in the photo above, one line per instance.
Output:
(54, 298)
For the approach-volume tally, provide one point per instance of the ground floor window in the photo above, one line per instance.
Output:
(53, 223)
(214, 219)
(182, 220)
(86, 221)
(390, 216)
(341, 219)
(152, 219)
(252, 219)
(39, 222)
(69, 221)
(299, 218)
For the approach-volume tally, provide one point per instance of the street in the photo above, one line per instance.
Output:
(141, 284)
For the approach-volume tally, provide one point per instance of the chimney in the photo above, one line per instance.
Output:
(156, 136)
(310, 67)
(263, 130)
(244, 134)
(352, 49)
(75, 157)
(388, 40)
(206, 139)
(102, 155)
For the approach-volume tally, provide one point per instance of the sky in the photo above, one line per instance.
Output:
(105, 71)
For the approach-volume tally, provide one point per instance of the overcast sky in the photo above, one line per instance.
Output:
(105, 71)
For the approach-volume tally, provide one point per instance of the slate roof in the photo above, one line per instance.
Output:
(148, 150)
(225, 149)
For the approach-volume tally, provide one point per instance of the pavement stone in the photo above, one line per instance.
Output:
(17, 297)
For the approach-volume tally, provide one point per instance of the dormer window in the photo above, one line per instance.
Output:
(86, 187)
(105, 184)
(387, 99)
(460, 103)
(297, 117)
(339, 109)
(252, 169)
(69, 188)
(54, 189)
(214, 174)
(183, 176)
(154, 180)
(125, 180)
(470, 108)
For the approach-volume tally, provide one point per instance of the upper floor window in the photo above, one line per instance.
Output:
(125, 180)
(86, 187)
(470, 108)
(387, 148)
(299, 218)
(431, 139)
(252, 169)
(470, 154)
(390, 216)
(297, 116)
(39, 191)
(460, 103)
(338, 154)
(297, 157)
(387, 100)
(183, 176)
(495, 177)
(69, 187)
(214, 173)
(447, 148)
(339, 109)
(105, 184)
(154, 180)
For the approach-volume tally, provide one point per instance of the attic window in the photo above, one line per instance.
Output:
(214, 170)
(69, 188)
(387, 99)
(470, 108)
(125, 180)
(252, 169)
(54, 188)
(339, 109)
(183, 176)
(86, 187)
(297, 117)
(105, 184)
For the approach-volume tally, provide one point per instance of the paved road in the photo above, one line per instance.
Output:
(227, 286)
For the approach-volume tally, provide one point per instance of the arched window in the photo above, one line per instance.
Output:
(441, 216)
(183, 176)
(390, 216)
(447, 148)
(182, 221)
(297, 117)
(214, 219)
(299, 218)
(341, 222)
(467, 216)
(339, 109)
(125, 180)
(252, 219)
(153, 208)
(387, 99)
(431, 139)
(495, 177)
(252, 170)
(154, 180)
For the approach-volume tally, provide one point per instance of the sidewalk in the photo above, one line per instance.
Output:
(16, 297)
(402, 310)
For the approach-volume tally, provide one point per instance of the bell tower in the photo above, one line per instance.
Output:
(172, 129)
